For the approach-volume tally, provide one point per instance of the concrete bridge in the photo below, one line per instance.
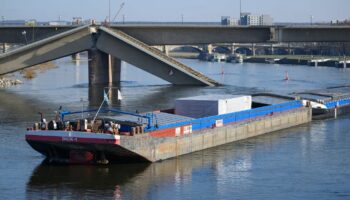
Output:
(256, 48)
(195, 34)
(107, 46)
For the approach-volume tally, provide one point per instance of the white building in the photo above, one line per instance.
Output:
(256, 20)
(266, 20)
(229, 21)
(58, 23)
(253, 20)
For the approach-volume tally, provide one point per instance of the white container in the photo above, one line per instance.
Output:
(210, 105)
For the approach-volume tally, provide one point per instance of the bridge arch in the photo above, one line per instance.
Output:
(262, 51)
(244, 50)
(222, 49)
(189, 49)
(280, 51)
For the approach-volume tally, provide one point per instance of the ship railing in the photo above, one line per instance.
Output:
(148, 116)
(230, 118)
(341, 102)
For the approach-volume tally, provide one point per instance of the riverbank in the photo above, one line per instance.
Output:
(185, 55)
(6, 82)
(327, 61)
(309, 60)
(29, 73)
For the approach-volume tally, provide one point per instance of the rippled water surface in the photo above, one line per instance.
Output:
(311, 161)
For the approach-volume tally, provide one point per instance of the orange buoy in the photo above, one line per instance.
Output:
(286, 78)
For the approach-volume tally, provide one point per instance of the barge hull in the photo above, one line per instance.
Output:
(61, 152)
(160, 148)
(319, 114)
(91, 148)
(80, 147)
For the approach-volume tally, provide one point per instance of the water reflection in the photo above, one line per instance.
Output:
(78, 182)
(17, 109)
(77, 72)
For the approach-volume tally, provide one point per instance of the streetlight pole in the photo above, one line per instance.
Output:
(182, 18)
(240, 8)
(240, 11)
(109, 11)
(311, 19)
(24, 33)
(3, 44)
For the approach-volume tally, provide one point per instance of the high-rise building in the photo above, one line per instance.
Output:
(244, 18)
(255, 20)
(229, 21)
(266, 20)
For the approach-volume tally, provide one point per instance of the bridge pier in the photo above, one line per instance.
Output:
(272, 49)
(76, 56)
(253, 49)
(98, 67)
(208, 48)
(114, 69)
(165, 49)
(233, 48)
(103, 68)
(3, 47)
(289, 49)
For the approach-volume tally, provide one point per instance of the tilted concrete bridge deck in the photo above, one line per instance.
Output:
(51, 48)
(131, 43)
(101, 42)
(125, 47)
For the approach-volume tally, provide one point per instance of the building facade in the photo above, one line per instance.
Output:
(266, 20)
(255, 20)
(229, 21)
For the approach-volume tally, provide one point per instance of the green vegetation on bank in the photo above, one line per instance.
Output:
(300, 57)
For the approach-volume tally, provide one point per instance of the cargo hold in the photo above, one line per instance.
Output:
(210, 105)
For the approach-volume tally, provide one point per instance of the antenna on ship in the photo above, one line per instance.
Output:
(58, 112)
(119, 95)
(82, 107)
(105, 99)
(41, 116)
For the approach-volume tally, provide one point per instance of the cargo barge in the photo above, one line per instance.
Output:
(327, 103)
(195, 124)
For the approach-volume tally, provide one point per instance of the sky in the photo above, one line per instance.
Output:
(174, 10)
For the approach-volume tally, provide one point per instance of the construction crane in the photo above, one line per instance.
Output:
(120, 9)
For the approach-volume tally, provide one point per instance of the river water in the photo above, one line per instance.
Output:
(311, 161)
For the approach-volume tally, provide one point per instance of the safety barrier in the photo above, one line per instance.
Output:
(209, 122)
(342, 102)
